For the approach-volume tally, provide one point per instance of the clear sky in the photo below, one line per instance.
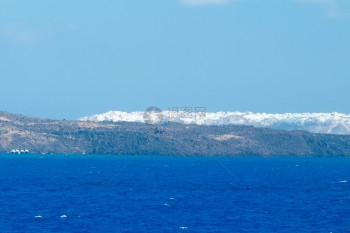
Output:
(66, 59)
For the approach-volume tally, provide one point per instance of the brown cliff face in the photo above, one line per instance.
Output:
(77, 137)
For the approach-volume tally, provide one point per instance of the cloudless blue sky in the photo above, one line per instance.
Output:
(66, 59)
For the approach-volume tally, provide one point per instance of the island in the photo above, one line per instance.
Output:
(48, 136)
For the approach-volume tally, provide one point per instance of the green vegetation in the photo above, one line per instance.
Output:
(76, 137)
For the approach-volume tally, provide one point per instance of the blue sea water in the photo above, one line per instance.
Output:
(58, 193)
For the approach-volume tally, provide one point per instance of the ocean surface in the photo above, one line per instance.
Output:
(59, 193)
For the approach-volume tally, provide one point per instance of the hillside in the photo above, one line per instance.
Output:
(131, 138)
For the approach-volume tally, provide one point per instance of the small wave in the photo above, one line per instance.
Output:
(63, 216)
(183, 228)
(166, 204)
(343, 181)
(38, 216)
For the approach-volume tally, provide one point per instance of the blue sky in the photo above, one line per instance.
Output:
(66, 59)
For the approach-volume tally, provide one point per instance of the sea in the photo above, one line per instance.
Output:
(85, 193)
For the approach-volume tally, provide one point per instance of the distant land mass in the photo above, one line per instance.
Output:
(334, 123)
(37, 135)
